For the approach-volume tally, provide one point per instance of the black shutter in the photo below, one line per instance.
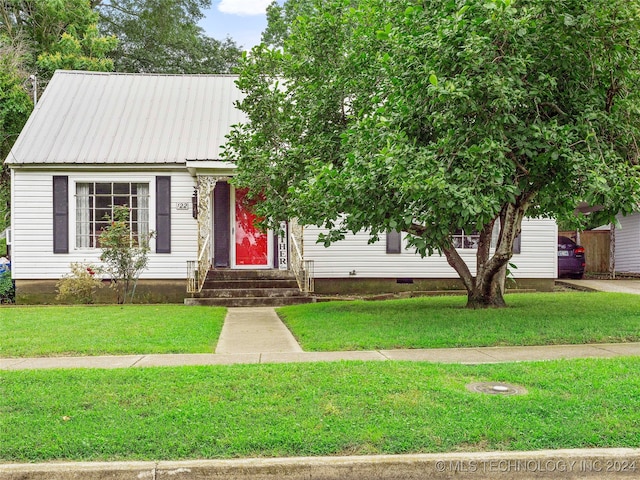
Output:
(60, 214)
(517, 244)
(394, 242)
(163, 214)
(221, 225)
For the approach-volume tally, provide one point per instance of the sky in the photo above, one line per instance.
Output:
(242, 20)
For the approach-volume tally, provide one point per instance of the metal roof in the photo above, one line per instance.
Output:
(113, 118)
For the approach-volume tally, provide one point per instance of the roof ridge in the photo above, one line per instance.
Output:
(135, 74)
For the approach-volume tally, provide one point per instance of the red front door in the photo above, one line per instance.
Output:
(251, 245)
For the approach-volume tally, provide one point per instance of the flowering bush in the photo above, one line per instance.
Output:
(80, 285)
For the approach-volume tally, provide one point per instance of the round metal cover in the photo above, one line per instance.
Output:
(496, 388)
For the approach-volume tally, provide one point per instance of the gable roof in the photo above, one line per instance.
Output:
(113, 118)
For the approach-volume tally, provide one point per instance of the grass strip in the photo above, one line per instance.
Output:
(434, 322)
(109, 330)
(341, 408)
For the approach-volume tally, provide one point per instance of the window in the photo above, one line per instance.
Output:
(461, 239)
(95, 202)
(394, 242)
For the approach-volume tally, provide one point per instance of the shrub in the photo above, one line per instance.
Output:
(7, 288)
(80, 285)
(124, 254)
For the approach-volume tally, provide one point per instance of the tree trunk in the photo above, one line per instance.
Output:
(494, 297)
(495, 300)
(486, 288)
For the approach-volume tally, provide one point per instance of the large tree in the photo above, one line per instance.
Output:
(280, 17)
(57, 34)
(15, 106)
(36, 38)
(433, 117)
(163, 36)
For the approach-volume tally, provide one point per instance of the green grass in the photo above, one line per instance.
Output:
(108, 330)
(342, 408)
(432, 322)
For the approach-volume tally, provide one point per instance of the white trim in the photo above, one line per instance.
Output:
(211, 167)
(73, 181)
(13, 209)
(212, 226)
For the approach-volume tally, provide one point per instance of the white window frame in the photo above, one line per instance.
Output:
(73, 192)
(470, 241)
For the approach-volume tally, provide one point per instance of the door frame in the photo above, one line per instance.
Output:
(232, 242)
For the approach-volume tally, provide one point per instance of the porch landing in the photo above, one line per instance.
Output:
(249, 288)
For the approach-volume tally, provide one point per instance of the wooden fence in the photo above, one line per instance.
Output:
(596, 245)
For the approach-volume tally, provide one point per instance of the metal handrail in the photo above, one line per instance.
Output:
(197, 270)
(192, 276)
(302, 269)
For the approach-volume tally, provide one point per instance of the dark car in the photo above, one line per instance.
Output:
(571, 259)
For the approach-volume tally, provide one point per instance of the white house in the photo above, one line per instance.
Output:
(627, 244)
(153, 142)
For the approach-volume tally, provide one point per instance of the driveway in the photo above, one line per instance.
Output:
(620, 286)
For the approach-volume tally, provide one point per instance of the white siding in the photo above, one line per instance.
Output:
(628, 243)
(538, 257)
(32, 225)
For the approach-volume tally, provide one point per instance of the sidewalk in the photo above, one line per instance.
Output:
(436, 355)
(257, 335)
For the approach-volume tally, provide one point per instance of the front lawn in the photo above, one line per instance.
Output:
(108, 330)
(432, 322)
(343, 408)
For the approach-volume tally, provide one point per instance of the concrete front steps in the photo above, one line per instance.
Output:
(249, 288)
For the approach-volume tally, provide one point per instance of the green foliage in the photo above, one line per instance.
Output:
(85, 53)
(430, 117)
(280, 18)
(60, 34)
(80, 285)
(7, 288)
(38, 37)
(15, 107)
(163, 36)
(124, 254)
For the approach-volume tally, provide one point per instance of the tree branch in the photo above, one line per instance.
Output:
(455, 260)
(554, 107)
(484, 247)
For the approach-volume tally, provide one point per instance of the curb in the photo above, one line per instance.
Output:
(576, 464)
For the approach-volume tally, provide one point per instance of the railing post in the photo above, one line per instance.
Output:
(302, 269)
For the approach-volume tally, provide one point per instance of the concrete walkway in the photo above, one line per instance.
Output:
(435, 355)
(255, 330)
(618, 286)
